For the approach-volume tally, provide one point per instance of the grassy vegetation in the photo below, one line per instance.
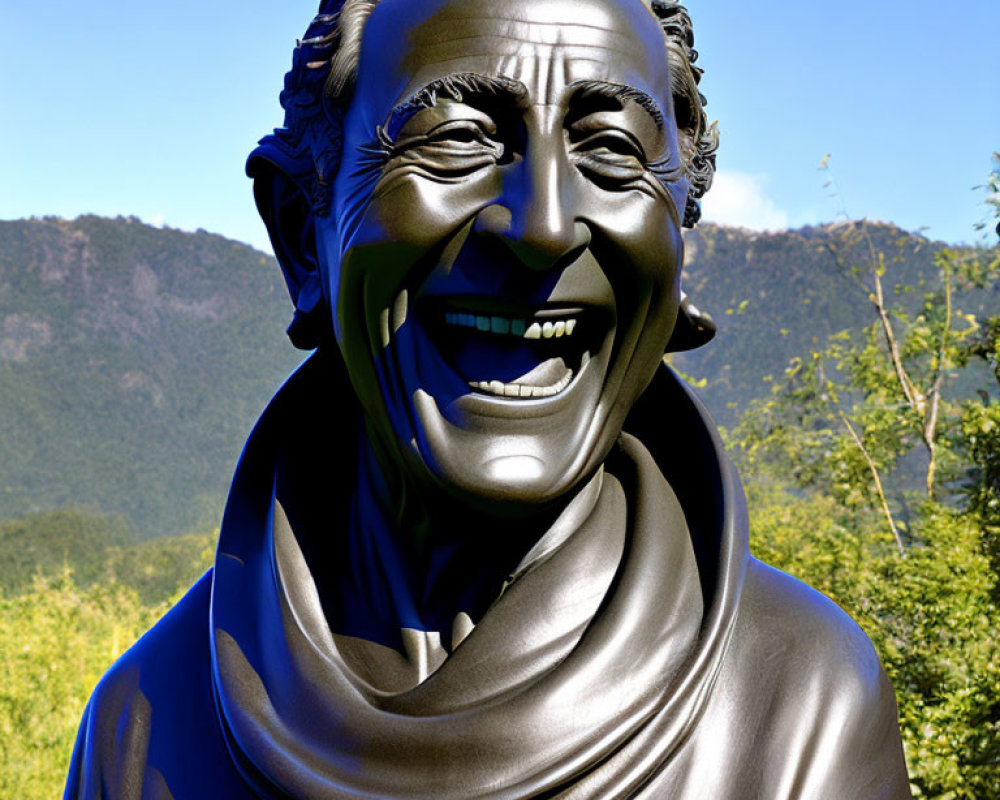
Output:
(121, 391)
(74, 594)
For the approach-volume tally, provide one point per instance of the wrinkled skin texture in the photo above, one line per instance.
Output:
(503, 163)
(549, 183)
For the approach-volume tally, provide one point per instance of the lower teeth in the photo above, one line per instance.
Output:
(500, 389)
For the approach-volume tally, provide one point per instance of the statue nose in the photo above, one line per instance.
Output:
(536, 216)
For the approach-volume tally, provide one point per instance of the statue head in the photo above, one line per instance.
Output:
(478, 204)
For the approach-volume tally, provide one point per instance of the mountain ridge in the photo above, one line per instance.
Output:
(134, 360)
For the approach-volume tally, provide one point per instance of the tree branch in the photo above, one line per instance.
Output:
(878, 482)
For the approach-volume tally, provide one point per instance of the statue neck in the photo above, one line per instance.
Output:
(415, 558)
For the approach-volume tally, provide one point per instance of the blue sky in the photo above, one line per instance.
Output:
(125, 107)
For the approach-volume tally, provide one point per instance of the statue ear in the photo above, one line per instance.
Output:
(692, 329)
(288, 215)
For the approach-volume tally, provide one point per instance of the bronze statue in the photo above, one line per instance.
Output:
(444, 569)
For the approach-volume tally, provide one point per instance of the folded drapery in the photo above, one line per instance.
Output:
(644, 655)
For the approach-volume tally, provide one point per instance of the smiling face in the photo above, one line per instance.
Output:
(503, 251)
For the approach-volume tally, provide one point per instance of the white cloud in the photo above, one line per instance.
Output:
(158, 219)
(739, 198)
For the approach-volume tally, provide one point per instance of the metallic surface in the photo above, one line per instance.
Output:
(645, 656)
(501, 159)
(444, 571)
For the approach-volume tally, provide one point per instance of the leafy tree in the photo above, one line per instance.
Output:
(874, 474)
(48, 542)
(55, 642)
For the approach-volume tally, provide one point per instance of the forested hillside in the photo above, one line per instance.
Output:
(133, 361)
(774, 295)
(857, 371)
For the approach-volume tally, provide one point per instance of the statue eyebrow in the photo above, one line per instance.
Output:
(619, 93)
(458, 86)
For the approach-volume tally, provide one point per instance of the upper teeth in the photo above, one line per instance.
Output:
(513, 327)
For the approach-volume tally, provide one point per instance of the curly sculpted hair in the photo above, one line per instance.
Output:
(319, 85)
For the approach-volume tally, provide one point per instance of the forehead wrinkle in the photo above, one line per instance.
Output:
(536, 22)
(626, 47)
(522, 70)
(505, 51)
(529, 32)
(506, 56)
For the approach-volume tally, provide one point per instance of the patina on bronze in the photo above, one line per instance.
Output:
(444, 569)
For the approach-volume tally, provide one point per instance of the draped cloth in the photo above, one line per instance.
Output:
(645, 655)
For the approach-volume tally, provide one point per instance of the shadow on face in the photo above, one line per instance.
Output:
(503, 248)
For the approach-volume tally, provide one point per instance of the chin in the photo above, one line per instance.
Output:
(511, 404)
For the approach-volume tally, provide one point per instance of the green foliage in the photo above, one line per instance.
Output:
(931, 616)
(157, 568)
(50, 541)
(96, 549)
(933, 619)
(811, 537)
(829, 457)
(133, 362)
(56, 640)
(992, 201)
(74, 595)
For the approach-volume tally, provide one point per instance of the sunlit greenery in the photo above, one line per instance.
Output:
(873, 470)
(837, 459)
(57, 640)
(63, 621)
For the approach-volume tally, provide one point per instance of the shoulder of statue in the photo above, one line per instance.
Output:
(159, 677)
(782, 616)
(168, 653)
(815, 680)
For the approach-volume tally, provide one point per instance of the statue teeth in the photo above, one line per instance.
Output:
(507, 326)
(521, 390)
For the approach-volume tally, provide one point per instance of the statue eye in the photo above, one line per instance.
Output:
(612, 142)
(611, 158)
(453, 148)
(459, 136)
(459, 133)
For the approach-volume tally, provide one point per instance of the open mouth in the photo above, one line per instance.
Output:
(513, 351)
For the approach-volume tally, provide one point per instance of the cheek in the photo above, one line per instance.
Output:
(384, 247)
(423, 212)
(643, 245)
